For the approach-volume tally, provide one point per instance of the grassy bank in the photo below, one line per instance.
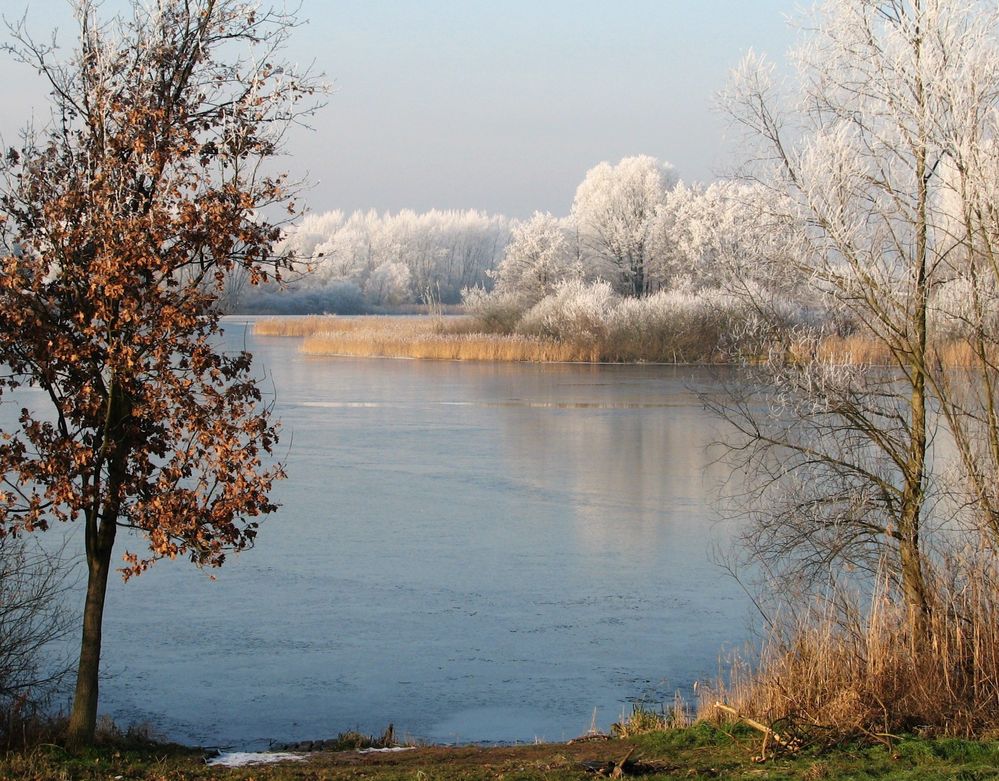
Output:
(419, 337)
(701, 751)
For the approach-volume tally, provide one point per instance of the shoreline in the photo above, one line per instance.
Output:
(458, 338)
(702, 750)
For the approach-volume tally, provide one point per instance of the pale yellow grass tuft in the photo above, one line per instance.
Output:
(845, 669)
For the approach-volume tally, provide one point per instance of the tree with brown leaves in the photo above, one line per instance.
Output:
(118, 228)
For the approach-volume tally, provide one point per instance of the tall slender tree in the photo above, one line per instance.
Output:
(878, 179)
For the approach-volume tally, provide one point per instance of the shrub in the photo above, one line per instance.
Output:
(574, 312)
(676, 326)
(32, 617)
(496, 312)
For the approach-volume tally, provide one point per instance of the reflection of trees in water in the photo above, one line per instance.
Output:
(636, 479)
(619, 451)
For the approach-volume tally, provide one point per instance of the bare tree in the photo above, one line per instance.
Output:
(33, 582)
(893, 96)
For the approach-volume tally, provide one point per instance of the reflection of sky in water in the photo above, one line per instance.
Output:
(471, 551)
(634, 473)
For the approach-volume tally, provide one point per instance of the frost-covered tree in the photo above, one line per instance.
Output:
(442, 251)
(614, 210)
(715, 237)
(538, 257)
(898, 105)
(389, 283)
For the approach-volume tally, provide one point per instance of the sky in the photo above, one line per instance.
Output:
(499, 105)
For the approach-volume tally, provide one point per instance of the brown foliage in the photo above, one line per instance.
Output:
(118, 229)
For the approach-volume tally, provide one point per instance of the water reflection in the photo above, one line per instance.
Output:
(634, 472)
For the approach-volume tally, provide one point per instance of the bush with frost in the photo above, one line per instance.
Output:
(495, 312)
(676, 325)
(575, 311)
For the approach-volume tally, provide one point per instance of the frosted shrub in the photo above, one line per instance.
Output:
(574, 312)
(668, 326)
(495, 312)
(675, 325)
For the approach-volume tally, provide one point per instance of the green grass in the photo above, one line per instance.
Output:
(700, 751)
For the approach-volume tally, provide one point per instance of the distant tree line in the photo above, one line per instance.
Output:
(349, 263)
(633, 225)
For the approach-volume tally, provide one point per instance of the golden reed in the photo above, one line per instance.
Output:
(453, 339)
(844, 667)
(457, 338)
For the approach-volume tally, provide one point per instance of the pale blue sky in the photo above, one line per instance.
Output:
(499, 105)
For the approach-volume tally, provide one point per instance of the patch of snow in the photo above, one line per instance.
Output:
(384, 750)
(244, 758)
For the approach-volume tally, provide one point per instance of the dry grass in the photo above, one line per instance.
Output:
(461, 338)
(961, 354)
(644, 719)
(453, 347)
(853, 350)
(306, 326)
(449, 338)
(861, 350)
(839, 671)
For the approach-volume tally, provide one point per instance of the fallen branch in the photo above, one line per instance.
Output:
(610, 768)
(618, 771)
(788, 744)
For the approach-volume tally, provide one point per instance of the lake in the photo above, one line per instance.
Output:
(471, 551)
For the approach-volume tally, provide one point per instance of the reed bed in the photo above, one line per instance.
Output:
(853, 350)
(841, 670)
(445, 346)
(459, 338)
(861, 350)
(462, 338)
(312, 324)
(451, 338)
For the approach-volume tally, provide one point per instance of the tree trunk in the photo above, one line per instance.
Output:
(914, 586)
(101, 527)
(83, 718)
(913, 495)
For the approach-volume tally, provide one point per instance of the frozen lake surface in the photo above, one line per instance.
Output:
(473, 552)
